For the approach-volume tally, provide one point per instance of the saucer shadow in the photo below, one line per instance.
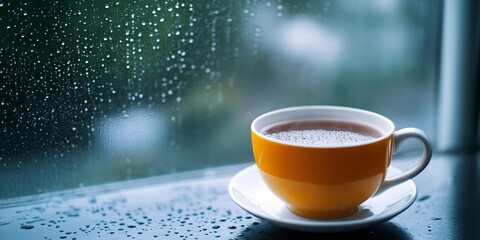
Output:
(266, 230)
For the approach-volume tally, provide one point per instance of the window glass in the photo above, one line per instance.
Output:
(101, 91)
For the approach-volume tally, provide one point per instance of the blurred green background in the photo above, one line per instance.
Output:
(94, 92)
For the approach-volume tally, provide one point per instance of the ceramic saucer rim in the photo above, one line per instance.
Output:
(333, 225)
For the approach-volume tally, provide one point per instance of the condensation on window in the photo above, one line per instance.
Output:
(101, 91)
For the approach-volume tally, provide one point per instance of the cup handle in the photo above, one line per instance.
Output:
(400, 136)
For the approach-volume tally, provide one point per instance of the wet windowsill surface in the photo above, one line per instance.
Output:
(196, 205)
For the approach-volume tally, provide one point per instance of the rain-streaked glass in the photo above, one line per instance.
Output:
(94, 92)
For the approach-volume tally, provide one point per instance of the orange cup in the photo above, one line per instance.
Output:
(331, 181)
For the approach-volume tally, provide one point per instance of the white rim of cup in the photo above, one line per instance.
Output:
(387, 129)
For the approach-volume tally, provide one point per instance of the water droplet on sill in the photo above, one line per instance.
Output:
(423, 198)
(26, 226)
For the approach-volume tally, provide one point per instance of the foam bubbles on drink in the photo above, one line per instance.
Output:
(320, 137)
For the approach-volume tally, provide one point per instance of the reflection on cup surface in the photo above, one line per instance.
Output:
(332, 177)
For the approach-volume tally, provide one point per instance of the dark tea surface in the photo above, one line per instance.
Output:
(321, 132)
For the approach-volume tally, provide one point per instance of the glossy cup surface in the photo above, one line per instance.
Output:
(323, 182)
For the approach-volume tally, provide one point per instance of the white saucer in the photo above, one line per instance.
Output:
(249, 191)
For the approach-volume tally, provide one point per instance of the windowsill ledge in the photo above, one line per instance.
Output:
(196, 205)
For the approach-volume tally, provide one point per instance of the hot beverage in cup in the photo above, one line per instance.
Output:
(321, 133)
(324, 161)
